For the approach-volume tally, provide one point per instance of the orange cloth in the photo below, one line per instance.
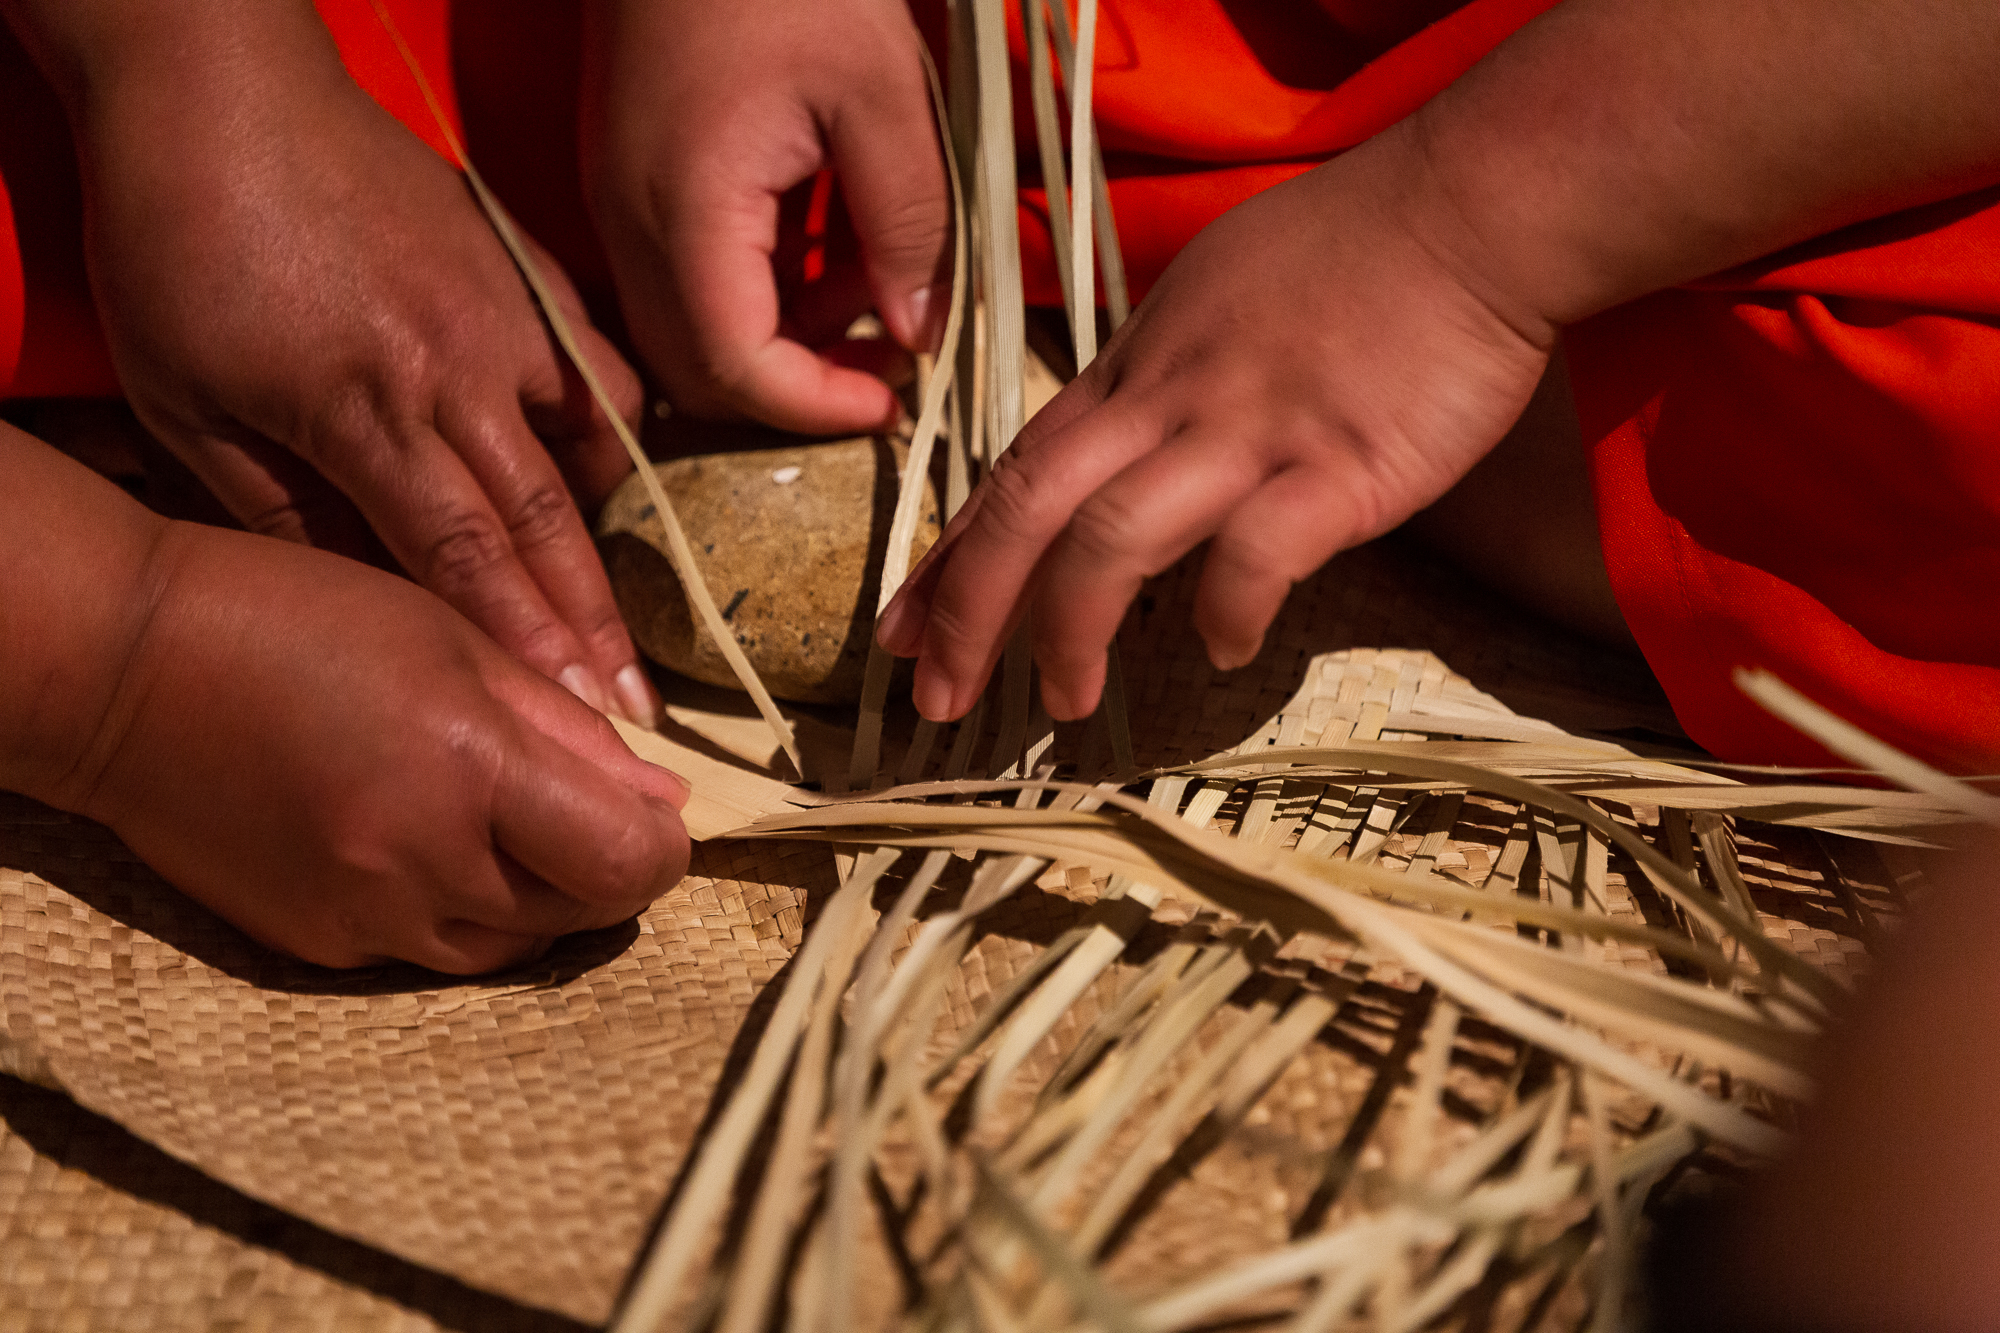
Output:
(1203, 103)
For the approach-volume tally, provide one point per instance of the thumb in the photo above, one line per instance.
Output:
(892, 179)
(588, 835)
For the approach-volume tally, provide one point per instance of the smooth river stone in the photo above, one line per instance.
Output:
(790, 542)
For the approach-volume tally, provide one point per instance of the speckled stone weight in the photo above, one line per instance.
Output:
(788, 540)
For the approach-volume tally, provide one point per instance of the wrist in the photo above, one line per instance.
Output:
(168, 58)
(85, 565)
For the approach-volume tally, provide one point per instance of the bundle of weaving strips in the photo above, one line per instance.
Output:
(257, 1143)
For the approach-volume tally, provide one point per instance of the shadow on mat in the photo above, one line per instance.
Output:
(65, 1132)
(86, 860)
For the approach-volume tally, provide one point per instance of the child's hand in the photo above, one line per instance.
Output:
(1333, 354)
(305, 303)
(1307, 374)
(702, 116)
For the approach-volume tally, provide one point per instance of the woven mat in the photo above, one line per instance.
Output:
(256, 1143)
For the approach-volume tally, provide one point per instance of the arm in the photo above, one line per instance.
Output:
(305, 304)
(1334, 354)
(326, 756)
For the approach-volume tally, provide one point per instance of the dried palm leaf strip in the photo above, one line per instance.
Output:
(1668, 878)
(1857, 746)
(916, 465)
(1117, 299)
(679, 554)
(1267, 884)
(1188, 849)
(690, 1225)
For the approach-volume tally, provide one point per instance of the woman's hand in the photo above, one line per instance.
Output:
(326, 755)
(346, 769)
(1308, 373)
(306, 305)
(699, 118)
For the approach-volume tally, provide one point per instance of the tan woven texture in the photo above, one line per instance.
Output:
(255, 1143)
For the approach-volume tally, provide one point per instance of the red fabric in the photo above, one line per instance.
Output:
(1797, 467)
(1203, 103)
(1797, 464)
(50, 342)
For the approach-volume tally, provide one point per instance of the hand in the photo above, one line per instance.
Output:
(347, 770)
(700, 118)
(326, 755)
(306, 305)
(1307, 374)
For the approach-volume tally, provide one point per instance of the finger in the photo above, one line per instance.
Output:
(463, 948)
(1023, 505)
(550, 538)
(566, 417)
(585, 734)
(901, 628)
(587, 835)
(1293, 523)
(547, 537)
(892, 180)
(1135, 525)
(505, 896)
(719, 259)
(441, 523)
(272, 491)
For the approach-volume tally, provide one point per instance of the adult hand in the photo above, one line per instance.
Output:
(323, 753)
(347, 770)
(1307, 374)
(700, 117)
(305, 304)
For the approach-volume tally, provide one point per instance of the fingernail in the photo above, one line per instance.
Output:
(895, 630)
(1236, 657)
(931, 693)
(582, 684)
(920, 317)
(1060, 704)
(637, 697)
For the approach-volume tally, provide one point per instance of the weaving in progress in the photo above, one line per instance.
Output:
(973, 666)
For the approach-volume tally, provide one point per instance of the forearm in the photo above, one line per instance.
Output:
(81, 567)
(189, 49)
(1616, 147)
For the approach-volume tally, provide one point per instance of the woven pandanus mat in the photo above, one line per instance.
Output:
(257, 1143)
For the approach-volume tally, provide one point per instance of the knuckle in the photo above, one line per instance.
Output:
(949, 633)
(630, 862)
(1016, 502)
(539, 517)
(286, 522)
(468, 547)
(908, 232)
(1104, 527)
(607, 639)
